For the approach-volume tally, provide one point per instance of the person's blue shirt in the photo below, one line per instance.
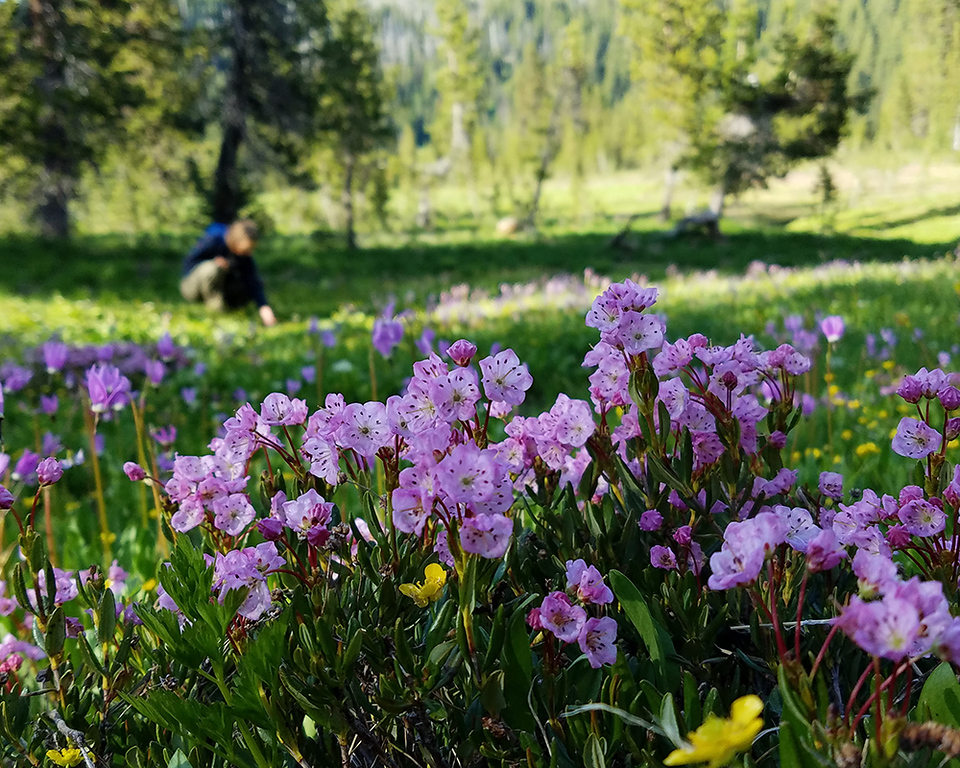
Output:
(211, 245)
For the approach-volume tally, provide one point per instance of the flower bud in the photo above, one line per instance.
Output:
(949, 397)
(49, 471)
(777, 439)
(270, 528)
(952, 431)
(910, 389)
(651, 520)
(134, 471)
(6, 498)
(462, 352)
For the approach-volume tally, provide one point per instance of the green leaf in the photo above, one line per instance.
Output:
(593, 752)
(940, 698)
(518, 669)
(654, 637)
(796, 743)
(691, 702)
(497, 634)
(55, 633)
(491, 696)
(107, 617)
(179, 760)
(668, 721)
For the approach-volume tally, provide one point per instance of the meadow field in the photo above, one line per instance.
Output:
(882, 260)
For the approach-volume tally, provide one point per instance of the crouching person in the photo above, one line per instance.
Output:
(221, 273)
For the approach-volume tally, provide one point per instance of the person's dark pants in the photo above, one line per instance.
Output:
(219, 289)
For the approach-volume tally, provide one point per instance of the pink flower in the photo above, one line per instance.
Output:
(596, 640)
(921, 518)
(801, 529)
(831, 485)
(486, 535)
(915, 439)
(7, 604)
(639, 333)
(574, 421)
(875, 573)
(467, 474)
(279, 410)
(107, 387)
(365, 428)
(306, 512)
(588, 582)
(442, 548)
(408, 513)
(323, 458)
(561, 618)
(387, 334)
(233, 513)
(885, 628)
(505, 378)
(824, 551)
(663, 557)
(456, 395)
(832, 327)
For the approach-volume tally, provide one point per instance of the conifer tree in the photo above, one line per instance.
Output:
(72, 75)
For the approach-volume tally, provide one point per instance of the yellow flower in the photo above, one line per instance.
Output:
(866, 449)
(888, 365)
(882, 414)
(719, 739)
(424, 594)
(69, 756)
(846, 434)
(149, 585)
(853, 404)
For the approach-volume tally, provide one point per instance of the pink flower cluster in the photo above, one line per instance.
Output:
(569, 622)
(910, 619)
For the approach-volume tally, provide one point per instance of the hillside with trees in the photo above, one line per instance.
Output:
(163, 115)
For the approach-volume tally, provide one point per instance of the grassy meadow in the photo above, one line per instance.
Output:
(882, 259)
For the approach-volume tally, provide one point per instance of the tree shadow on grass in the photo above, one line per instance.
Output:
(307, 277)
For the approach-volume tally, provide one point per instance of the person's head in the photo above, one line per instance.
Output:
(242, 236)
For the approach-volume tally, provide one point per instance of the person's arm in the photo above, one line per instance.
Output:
(259, 294)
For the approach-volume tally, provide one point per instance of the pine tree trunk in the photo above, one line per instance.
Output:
(672, 177)
(717, 201)
(52, 210)
(227, 192)
(351, 234)
(57, 178)
(226, 182)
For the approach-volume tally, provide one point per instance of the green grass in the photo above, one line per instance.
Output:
(885, 266)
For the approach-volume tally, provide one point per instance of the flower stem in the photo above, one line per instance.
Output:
(105, 535)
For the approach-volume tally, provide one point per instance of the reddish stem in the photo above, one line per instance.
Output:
(853, 697)
(885, 684)
(800, 600)
(781, 645)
